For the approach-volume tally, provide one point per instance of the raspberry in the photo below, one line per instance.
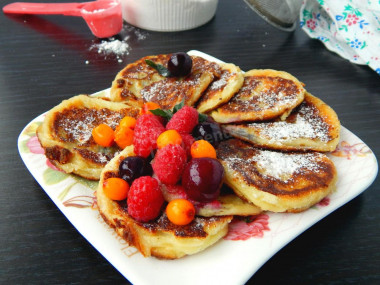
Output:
(147, 129)
(145, 199)
(169, 163)
(184, 120)
(187, 141)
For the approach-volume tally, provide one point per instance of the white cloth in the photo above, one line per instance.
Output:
(351, 28)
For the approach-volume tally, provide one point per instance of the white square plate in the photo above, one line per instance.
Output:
(232, 260)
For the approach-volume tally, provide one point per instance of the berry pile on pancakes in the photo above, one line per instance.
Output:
(260, 130)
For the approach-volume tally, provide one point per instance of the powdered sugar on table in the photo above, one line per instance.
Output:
(118, 47)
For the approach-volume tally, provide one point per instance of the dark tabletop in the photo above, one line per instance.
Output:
(46, 59)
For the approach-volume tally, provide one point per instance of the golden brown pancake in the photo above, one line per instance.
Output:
(276, 181)
(226, 204)
(265, 94)
(160, 237)
(66, 135)
(222, 88)
(134, 77)
(313, 125)
(138, 83)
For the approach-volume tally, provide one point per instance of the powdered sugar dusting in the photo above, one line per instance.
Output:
(155, 91)
(277, 165)
(118, 46)
(259, 102)
(102, 158)
(167, 90)
(222, 81)
(114, 46)
(282, 166)
(306, 125)
(265, 94)
(80, 129)
(275, 100)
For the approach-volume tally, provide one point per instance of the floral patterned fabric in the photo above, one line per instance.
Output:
(351, 28)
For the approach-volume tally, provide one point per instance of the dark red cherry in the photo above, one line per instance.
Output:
(133, 167)
(202, 179)
(180, 64)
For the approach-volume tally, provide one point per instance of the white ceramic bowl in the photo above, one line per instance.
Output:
(168, 15)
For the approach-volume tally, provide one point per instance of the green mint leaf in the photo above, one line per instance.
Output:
(178, 106)
(202, 118)
(162, 113)
(160, 68)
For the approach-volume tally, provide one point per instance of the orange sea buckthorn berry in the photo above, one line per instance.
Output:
(123, 137)
(169, 137)
(202, 148)
(116, 188)
(103, 135)
(149, 106)
(180, 212)
(128, 122)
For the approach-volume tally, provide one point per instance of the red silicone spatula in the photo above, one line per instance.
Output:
(103, 17)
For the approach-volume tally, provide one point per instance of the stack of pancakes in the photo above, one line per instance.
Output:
(274, 162)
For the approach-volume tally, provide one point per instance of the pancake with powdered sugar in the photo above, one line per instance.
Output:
(266, 94)
(159, 237)
(66, 134)
(138, 82)
(276, 181)
(222, 88)
(311, 126)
